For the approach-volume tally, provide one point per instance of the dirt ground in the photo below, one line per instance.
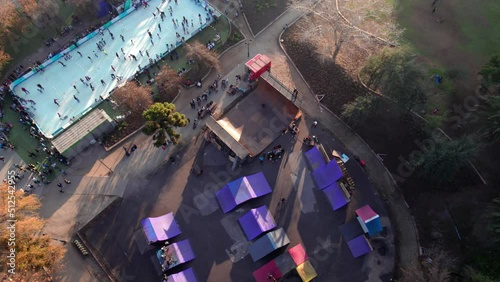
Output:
(260, 13)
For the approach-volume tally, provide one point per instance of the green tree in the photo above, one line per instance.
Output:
(358, 110)
(161, 119)
(495, 219)
(491, 71)
(443, 162)
(396, 75)
(36, 257)
(491, 113)
(4, 59)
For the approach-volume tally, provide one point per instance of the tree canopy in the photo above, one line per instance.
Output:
(161, 119)
(132, 98)
(491, 112)
(395, 74)
(491, 71)
(36, 258)
(443, 162)
(360, 109)
(168, 83)
(201, 56)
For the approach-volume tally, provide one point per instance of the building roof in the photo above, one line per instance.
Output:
(80, 129)
(225, 137)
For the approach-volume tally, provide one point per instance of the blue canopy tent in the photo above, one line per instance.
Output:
(268, 243)
(336, 196)
(256, 221)
(326, 175)
(160, 228)
(314, 158)
(183, 276)
(242, 190)
(369, 220)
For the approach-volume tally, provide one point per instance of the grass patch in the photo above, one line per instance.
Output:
(482, 36)
(262, 5)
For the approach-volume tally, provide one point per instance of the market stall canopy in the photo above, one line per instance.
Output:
(160, 228)
(268, 243)
(175, 254)
(257, 221)
(258, 65)
(183, 276)
(369, 220)
(326, 175)
(306, 271)
(360, 246)
(265, 272)
(336, 196)
(242, 190)
(315, 158)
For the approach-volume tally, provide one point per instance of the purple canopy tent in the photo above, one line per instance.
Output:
(256, 221)
(327, 174)
(359, 246)
(183, 276)
(242, 190)
(160, 228)
(351, 230)
(268, 243)
(336, 196)
(175, 254)
(315, 158)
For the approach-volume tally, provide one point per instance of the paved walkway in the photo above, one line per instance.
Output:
(93, 187)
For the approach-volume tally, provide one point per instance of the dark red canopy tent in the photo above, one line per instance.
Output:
(258, 65)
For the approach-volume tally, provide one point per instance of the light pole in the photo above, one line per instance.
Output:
(248, 47)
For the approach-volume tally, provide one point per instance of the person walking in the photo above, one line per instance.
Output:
(123, 38)
(79, 54)
(74, 86)
(25, 90)
(61, 63)
(60, 187)
(40, 86)
(55, 102)
(90, 59)
(113, 68)
(78, 100)
(102, 82)
(159, 27)
(117, 55)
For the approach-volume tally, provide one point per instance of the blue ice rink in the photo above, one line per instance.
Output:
(59, 80)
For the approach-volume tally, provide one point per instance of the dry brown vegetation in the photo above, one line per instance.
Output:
(335, 39)
(168, 84)
(36, 257)
(132, 98)
(201, 56)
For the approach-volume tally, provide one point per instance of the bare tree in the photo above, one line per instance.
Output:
(323, 27)
(331, 28)
(168, 84)
(435, 267)
(133, 99)
(201, 56)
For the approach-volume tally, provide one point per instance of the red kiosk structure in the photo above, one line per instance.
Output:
(258, 65)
